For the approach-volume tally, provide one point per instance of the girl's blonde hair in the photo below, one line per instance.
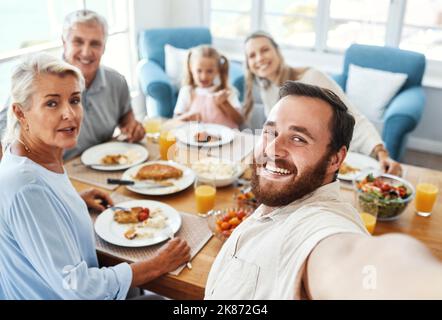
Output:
(206, 51)
(22, 86)
(284, 72)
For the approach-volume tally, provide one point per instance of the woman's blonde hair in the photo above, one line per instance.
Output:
(284, 72)
(22, 86)
(206, 51)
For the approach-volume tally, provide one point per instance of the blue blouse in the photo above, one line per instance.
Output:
(47, 246)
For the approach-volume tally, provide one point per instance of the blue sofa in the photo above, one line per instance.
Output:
(405, 110)
(151, 72)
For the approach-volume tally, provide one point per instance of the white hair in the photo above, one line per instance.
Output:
(86, 17)
(22, 86)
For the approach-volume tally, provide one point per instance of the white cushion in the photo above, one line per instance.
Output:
(175, 63)
(370, 90)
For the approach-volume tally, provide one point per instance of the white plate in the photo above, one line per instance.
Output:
(224, 181)
(186, 134)
(113, 232)
(360, 161)
(94, 155)
(179, 184)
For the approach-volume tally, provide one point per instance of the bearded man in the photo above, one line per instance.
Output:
(304, 241)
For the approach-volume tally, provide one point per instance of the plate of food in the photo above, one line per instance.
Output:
(354, 164)
(114, 156)
(138, 223)
(157, 178)
(222, 172)
(204, 134)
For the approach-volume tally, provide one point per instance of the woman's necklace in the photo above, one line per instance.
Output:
(24, 145)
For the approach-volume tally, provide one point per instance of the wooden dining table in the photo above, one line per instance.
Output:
(190, 283)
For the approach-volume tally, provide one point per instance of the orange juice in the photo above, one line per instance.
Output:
(369, 221)
(152, 126)
(167, 139)
(205, 198)
(426, 194)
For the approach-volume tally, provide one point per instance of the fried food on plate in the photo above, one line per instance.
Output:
(134, 215)
(204, 136)
(158, 172)
(114, 159)
(346, 169)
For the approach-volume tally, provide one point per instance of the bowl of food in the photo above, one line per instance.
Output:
(389, 193)
(223, 222)
(221, 172)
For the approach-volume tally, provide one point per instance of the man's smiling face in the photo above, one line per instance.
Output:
(292, 158)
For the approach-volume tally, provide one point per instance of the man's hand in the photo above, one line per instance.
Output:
(133, 130)
(96, 199)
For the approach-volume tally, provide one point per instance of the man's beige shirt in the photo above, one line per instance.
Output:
(264, 257)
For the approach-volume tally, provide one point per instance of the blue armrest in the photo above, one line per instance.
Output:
(153, 80)
(409, 102)
(401, 117)
(155, 83)
(339, 78)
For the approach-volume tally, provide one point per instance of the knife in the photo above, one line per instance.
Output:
(144, 185)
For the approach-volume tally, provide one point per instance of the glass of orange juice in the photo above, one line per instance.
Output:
(205, 196)
(166, 141)
(426, 195)
(368, 211)
(152, 126)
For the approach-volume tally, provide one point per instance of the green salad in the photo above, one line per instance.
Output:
(390, 198)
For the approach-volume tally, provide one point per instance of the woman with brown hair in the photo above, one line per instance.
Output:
(266, 71)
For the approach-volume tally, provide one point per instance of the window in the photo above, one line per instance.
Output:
(38, 25)
(422, 29)
(333, 25)
(291, 22)
(361, 21)
(230, 18)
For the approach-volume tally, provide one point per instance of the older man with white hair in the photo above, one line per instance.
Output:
(106, 100)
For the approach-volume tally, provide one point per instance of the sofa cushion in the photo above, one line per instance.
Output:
(175, 63)
(370, 90)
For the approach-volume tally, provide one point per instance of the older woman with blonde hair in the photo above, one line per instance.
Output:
(47, 248)
(266, 71)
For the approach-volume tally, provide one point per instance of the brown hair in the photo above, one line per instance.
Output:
(207, 51)
(342, 122)
(284, 71)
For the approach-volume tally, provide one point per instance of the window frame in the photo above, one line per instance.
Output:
(393, 33)
(10, 55)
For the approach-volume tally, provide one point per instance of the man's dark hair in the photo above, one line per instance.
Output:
(342, 122)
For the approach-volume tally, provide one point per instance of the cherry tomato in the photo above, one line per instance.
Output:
(225, 226)
(143, 214)
(240, 214)
(234, 221)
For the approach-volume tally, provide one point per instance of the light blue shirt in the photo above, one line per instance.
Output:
(47, 246)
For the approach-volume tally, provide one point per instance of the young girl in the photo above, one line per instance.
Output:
(206, 95)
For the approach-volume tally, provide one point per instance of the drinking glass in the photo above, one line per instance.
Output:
(368, 211)
(166, 141)
(205, 196)
(152, 127)
(427, 191)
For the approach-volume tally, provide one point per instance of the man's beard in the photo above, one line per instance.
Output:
(298, 187)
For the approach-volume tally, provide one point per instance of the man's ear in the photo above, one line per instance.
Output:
(337, 159)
